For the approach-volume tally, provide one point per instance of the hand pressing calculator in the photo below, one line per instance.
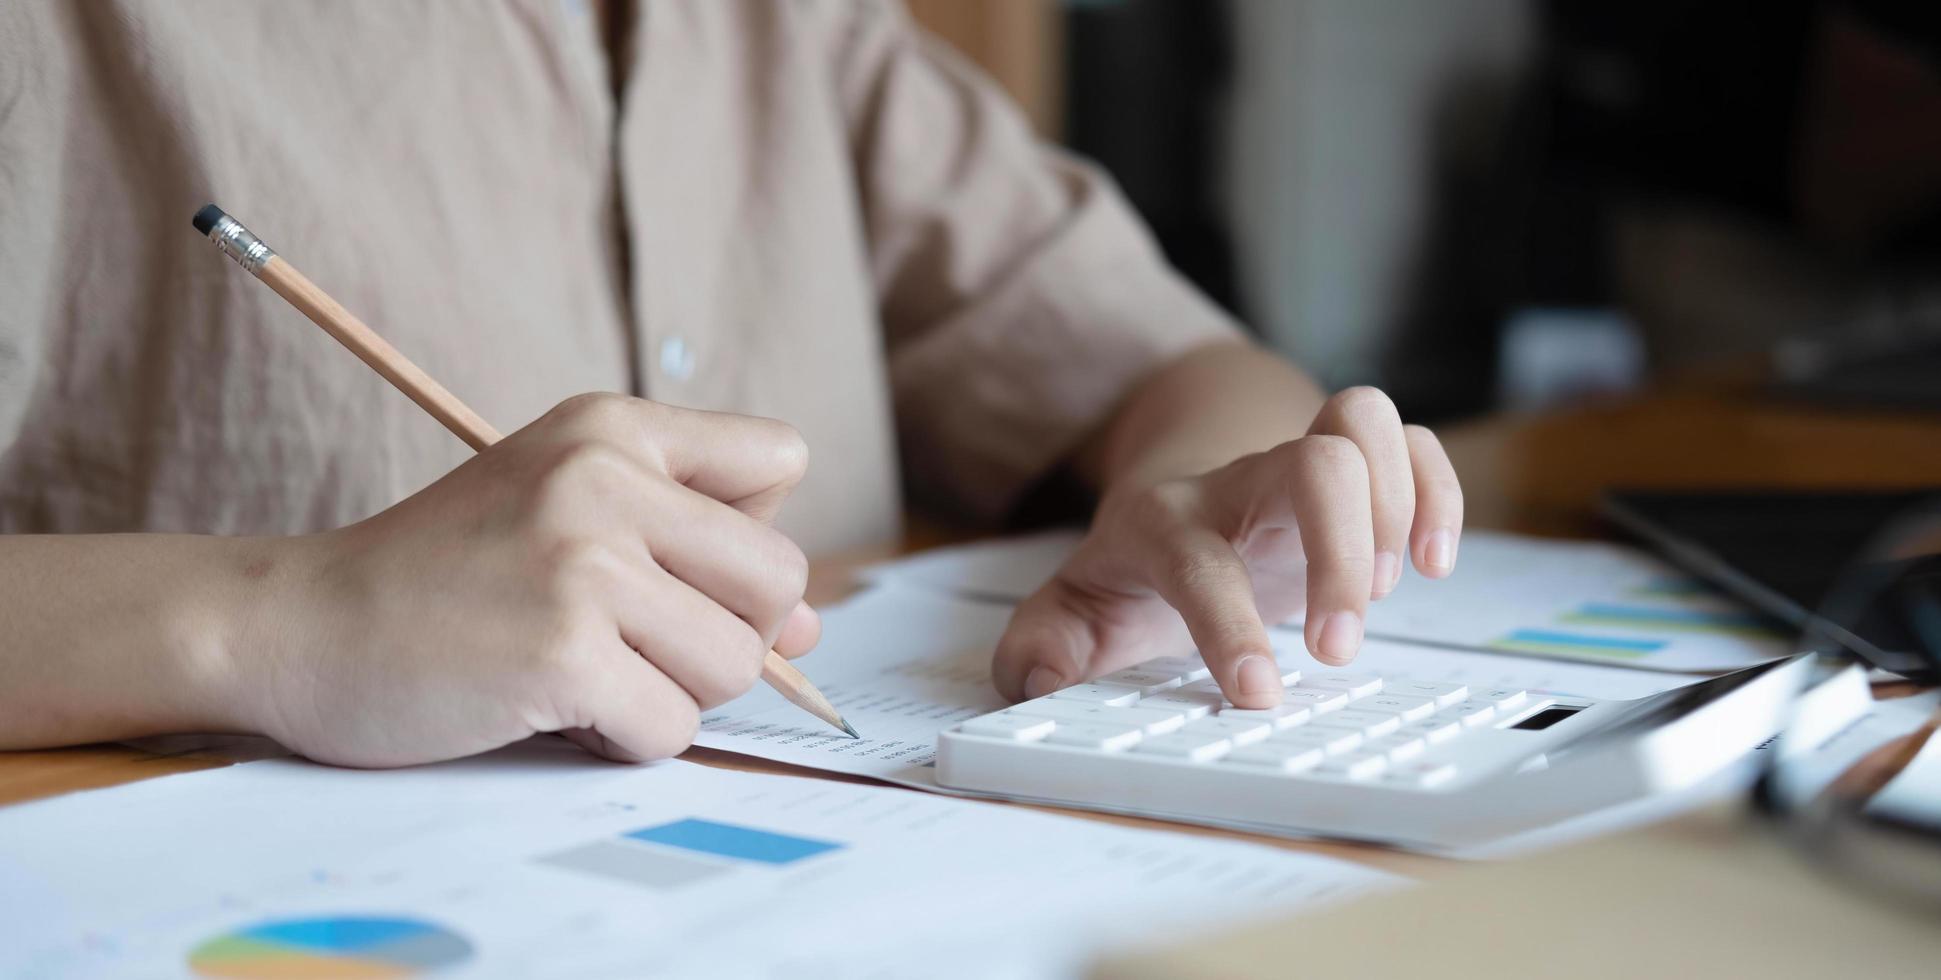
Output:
(1392, 759)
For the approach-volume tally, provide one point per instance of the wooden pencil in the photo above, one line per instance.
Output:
(277, 273)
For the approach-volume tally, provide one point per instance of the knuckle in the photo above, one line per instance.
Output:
(589, 459)
(1331, 454)
(789, 452)
(792, 571)
(1237, 637)
(674, 729)
(1365, 402)
(1446, 491)
(750, 668)
(1437, 478)
(683, 725)
(600, 409)
(579, 467)
(560, 660)
(748, 653)
(1442, 484)
(1394, 499)
(738, 668)
(572, 568)
(1196, 570)
(776, 599)
(1162, 507)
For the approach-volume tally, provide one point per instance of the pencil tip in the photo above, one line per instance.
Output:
(206, 218)
(852, 732)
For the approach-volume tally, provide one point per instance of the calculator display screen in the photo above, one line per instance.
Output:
(1544, 719)
(1660, 709)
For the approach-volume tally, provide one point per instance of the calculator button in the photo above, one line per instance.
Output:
(1147, 720)
(1288, 676)
(1397, 748)
(1504, 698)
(1354, 766)
(1473, 713)
(1187, 669)
(1193, 747)
(1187, 703)
(1333, 741)
(1105, 738)
(1353, 685)
(1243, 731)
(1321, 701)
(1422, 775)
(1373, 724)
(1436, 730)
(1406, 708)
(1145, 681)
(1100, 693)
(1017, 728)
(1281, 716)
(1286, 758)
(1442, 694)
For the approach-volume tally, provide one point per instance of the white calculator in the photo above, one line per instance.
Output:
(1394, 759)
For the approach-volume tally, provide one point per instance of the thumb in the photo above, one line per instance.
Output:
(1048, 645)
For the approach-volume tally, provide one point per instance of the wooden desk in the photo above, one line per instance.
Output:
(1537, 474)
(1542, 474)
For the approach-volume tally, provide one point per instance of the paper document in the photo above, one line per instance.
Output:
(1008, 569)
(1578, 600)
(537, 861)
(903, 664)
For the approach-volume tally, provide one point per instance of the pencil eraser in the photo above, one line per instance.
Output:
(206, 218)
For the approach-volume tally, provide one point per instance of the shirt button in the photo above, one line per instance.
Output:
(676, 359)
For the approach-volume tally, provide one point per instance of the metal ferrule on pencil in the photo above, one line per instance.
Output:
(237, 242)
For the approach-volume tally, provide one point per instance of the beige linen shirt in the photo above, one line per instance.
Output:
(802, 209)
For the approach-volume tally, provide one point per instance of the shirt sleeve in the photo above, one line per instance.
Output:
(1021, 296)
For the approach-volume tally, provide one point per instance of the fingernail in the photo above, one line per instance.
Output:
(1256, 675)
(1388, 571)
(1340, 638)
(1440, 551)
(1042, 681)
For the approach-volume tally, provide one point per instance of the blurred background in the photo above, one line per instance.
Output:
(1483, 204)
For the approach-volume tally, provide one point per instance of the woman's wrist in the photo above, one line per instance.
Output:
(117, 636)
(233, 638)
(1197, 414)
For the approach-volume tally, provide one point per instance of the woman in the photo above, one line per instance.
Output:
(755, 211)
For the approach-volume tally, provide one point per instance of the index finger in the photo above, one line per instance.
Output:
(747, 462)
(1207, 582)
(1318, 486)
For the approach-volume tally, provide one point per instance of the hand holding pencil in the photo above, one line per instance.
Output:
(606, 572)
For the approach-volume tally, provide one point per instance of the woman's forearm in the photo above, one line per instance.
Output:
(121, 635)
(1202, 411)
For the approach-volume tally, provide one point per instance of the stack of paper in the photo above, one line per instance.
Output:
(1575, 600)
(538, 861)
